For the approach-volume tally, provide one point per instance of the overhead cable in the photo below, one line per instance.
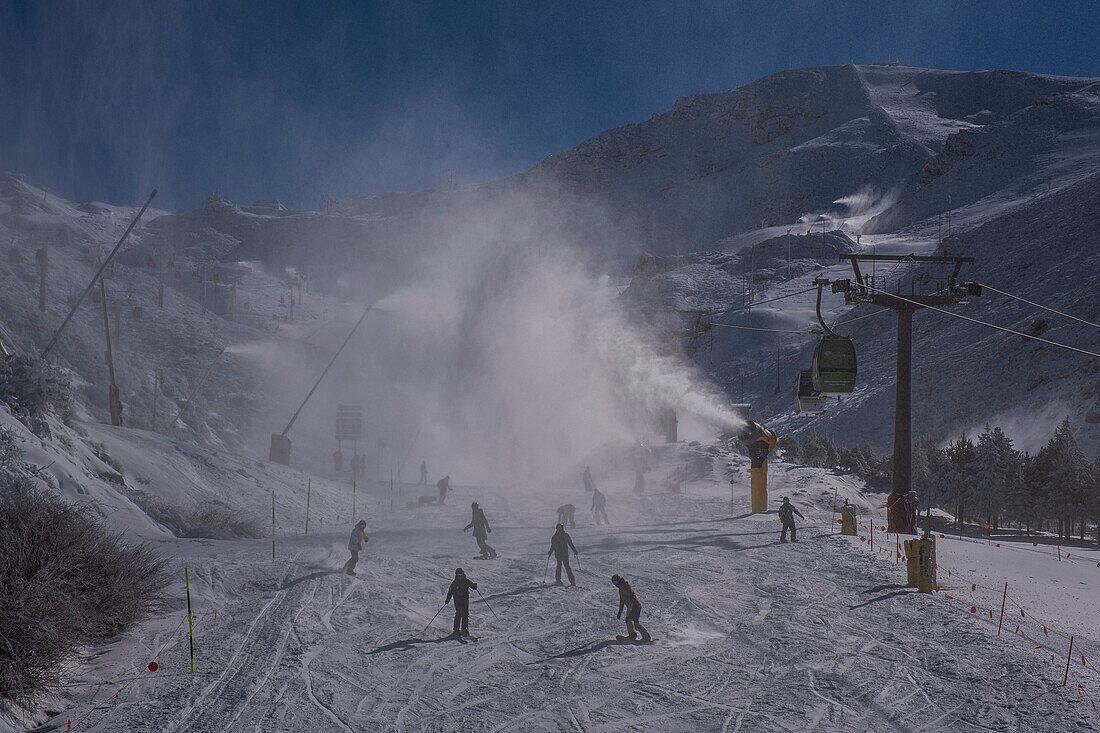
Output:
(1037, 305)
(983, 323)
(754, 328)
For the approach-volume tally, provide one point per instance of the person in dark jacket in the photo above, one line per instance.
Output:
(599, 501)
(481, 531)
(589, 484)
(560, 545)
(459, 590)
(629, 600)
(786, 516)
(565, 515)
(444, 485)
(355, 544)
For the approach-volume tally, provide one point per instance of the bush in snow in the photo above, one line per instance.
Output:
(31, 386)
(212, 520)
(65, 582)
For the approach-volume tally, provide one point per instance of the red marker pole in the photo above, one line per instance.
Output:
(1004, 597)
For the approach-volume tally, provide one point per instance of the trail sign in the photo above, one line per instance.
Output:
(349, 422)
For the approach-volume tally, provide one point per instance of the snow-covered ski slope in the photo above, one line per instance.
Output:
(754, 634)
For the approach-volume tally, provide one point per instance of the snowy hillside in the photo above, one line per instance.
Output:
(505, 346)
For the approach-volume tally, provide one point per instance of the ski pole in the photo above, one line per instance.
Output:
(546, 569)
(433, 617)
(577, 557)
(487, 604)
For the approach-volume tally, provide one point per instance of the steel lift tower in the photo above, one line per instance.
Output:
(862, 289)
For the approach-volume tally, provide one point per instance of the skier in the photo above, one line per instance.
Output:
(912, 509)
(423, 473)
(460, 591)
(786, 516)
(598, 503)
(355, 544)
(629, 600)
(444, 485)
(560, 545)
(589, 484)
(481, 531)
(565, 514)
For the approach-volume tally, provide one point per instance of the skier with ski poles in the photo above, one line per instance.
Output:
(459, 590)
(629, 600)
(786, 516)
(355, 544)
(481, 532)
(560, 545)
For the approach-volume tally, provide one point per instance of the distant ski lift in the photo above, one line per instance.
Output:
(808, 401)
(834, 366)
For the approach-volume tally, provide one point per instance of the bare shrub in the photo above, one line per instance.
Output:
(212, 520)
(65, 581)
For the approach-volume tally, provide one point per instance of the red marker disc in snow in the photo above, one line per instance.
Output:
(153, 666)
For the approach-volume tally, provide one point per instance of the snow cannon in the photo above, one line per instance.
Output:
(761, 442)
(848, 519)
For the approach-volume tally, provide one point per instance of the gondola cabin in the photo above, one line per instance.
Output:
(834, 366)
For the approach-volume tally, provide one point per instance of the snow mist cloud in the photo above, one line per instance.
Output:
(500, 356)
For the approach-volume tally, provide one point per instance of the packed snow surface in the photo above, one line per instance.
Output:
(752, 634)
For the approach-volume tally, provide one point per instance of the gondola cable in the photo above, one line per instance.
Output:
(1037, 305)
(983, 323)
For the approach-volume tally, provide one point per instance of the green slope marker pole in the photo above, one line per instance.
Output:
(309, 485)
(354, 479)
(190, 624)
(273, 525)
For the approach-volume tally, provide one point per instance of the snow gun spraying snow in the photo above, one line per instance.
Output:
(760, 442)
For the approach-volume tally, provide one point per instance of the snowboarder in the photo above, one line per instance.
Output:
(598, 503)
(589, 484)
(786, 516)
(481, 531)
(629, 600)
(460, 591)
(355, 544)
(565, 515)
(444, 485)
(560, 545)
(423, 473)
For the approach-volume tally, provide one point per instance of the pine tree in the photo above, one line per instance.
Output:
(1069, 477)
(996, 467)
(961, 457)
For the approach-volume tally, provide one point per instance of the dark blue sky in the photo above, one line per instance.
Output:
(104, 100)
